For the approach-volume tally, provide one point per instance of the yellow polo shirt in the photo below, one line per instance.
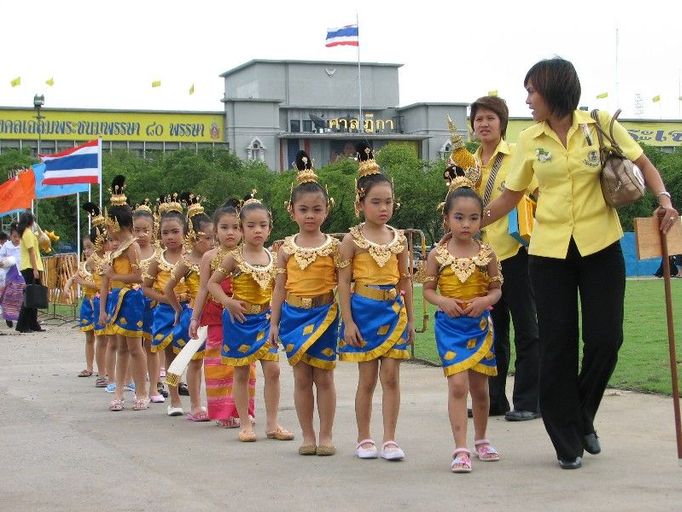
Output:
(571, 203)
(28, 240)
(497, 234)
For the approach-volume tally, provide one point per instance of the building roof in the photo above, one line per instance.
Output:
(311, 62)
(432, 104)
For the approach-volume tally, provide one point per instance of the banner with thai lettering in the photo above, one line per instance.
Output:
(652, 133)
(76, 125)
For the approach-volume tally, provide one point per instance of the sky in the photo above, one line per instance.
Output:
(106, 54)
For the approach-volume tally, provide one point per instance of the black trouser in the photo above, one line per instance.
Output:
(569, 399)
(28, 317)
(517, 299)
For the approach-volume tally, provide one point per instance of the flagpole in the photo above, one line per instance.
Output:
(99, 164)
(360, 118)
(89, 200)
(78, 224)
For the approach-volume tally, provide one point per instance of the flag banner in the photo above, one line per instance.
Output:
(81, 164)
(156, 83)
(191, 90)
(656, 98)
(493, 92)
(348, 36)
(43, 191)
(602, 95)
(50, 81)
(16, 82)
(17, 193)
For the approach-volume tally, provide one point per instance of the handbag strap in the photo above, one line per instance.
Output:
(601, 134)
(491, 179)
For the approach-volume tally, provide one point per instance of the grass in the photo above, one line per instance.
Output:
(643, 362)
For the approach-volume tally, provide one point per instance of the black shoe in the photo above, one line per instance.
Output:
(591, 443)
(571, 463)
(24, 331)
(161, 390)
(494, 411)
(9, 323)
(183, 389)
(518, 415)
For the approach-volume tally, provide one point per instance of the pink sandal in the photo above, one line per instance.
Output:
(461, 462)
(202, 415)
(141, 404)
(116, 405)
(485, 451)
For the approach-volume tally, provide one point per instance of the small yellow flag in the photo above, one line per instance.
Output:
(16, 82)
(50, 81)
(156, 83)
(492, 93)
(191, 90)
(602, 95)
(656, 98)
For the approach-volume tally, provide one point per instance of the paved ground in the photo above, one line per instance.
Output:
(62, 450)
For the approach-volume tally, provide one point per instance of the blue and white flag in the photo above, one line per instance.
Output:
(81, 164)
(344, 36)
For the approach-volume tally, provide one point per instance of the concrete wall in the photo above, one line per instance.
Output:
(431, 119)
(249, 120)
(315, 84)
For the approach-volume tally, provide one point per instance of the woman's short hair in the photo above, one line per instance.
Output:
(495, 104)
(556, 80)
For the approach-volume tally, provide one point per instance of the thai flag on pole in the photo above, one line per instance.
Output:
(344, 36)
(82, 164)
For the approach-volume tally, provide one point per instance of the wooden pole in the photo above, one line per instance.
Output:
(671, 344)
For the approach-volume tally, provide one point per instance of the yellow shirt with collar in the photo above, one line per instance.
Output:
(29, 240)
(571, 203)
(497, 234)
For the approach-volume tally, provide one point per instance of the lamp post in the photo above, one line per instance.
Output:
(38, 102)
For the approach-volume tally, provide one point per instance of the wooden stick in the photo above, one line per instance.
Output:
(671, 344)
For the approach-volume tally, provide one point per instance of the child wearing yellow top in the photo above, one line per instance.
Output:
(143, 228)
(123, 311)
(198, 241)
(469, 280)
(305, 316)
(172, 227)
(246, 324)
(377, 312)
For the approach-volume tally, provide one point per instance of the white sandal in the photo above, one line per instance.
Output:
(396, 453)
(366, 453)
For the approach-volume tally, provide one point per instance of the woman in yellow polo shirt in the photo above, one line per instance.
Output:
(575, 251)
(489, 117)
(31, 266)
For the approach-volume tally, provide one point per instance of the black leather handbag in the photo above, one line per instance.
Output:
(35, 296)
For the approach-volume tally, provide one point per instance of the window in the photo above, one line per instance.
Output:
(255, 150)
(307, 125)
(295, 126)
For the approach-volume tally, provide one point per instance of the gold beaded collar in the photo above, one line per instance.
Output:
(263, 275)
(464, 267)
(380, 253)
(307, 255)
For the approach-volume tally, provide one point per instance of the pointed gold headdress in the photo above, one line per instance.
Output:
(169, 203)
(461, 157)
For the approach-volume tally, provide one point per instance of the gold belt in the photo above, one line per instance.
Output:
(310, 302)
(375, 293)
(254, 309)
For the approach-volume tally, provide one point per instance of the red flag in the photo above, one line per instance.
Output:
(18, 192)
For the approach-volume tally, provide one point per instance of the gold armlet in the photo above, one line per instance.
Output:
(280, 270)
(222, 271)
(344, 263)
(430, 279)
(134, 266)
(147, 276)
(497, 279)
(405, 275)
